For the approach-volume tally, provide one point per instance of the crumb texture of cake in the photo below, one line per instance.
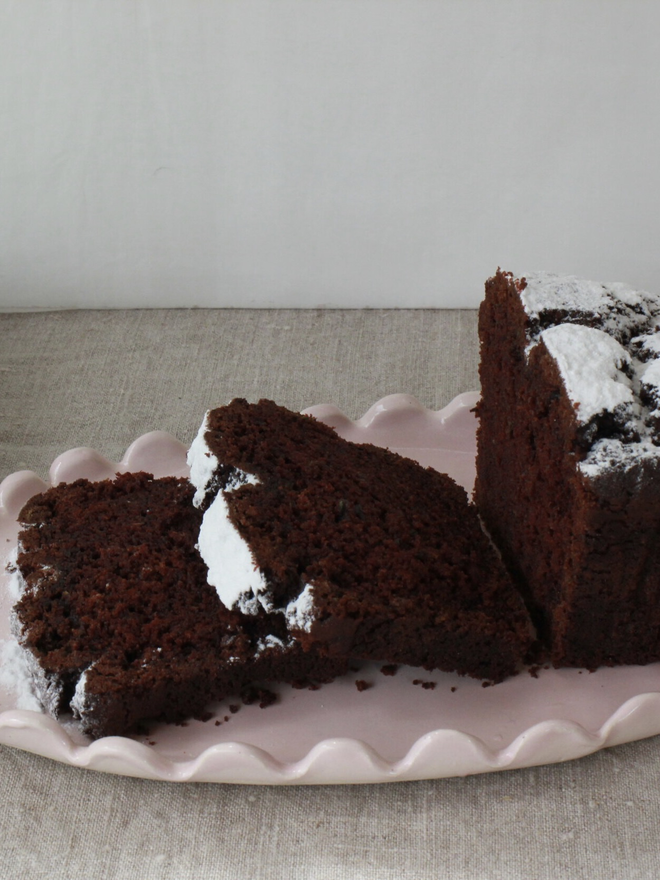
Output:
(568, 463)
(116, 616)
(365, 552)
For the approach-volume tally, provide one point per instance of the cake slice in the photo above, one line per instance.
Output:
(568, 467)
(117, 618)
(367, 553)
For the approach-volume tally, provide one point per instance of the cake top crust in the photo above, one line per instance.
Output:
(593, 366)
(605, 341)
(615, 308)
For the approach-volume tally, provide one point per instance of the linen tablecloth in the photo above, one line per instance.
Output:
(102, 378)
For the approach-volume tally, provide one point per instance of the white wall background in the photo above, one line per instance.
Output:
(323, 152)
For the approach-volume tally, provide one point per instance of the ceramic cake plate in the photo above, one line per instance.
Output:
(413, 725)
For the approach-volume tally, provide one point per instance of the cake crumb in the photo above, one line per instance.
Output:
(362, 685)
(259, 695)
(233, 708)
(267, 698)
(453, 689)
(427, 685)
(142, 729)
(218, 722)
(389, 669)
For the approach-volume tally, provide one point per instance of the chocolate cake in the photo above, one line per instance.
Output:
(367, 553)
(116, 615)
(568, 467)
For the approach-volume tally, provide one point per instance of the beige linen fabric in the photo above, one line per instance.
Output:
(101, 379)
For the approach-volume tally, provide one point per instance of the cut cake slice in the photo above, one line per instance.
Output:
(117, 619)
(367, 553)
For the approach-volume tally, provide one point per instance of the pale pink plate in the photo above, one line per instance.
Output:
(395, 729)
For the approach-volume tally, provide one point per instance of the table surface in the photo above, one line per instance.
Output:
(102, 378)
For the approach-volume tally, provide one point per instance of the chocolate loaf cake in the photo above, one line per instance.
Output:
(368, 554)
(568, 467)
(117, 617)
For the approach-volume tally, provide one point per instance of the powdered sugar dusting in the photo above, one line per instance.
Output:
(650, 382)
(231, 568)
(619, 310)
(15, 581)
(202, 463)
(591, 364)
(300, 612)
(271, 643)
(605, 340)
(79, 701)
(545, 290)
(16, 677)
(646, 346)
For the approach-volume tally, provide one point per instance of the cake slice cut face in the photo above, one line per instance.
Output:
(568, 465)
(367, 554)
(116, 616)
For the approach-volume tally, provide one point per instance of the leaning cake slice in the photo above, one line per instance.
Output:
(117, 620)
(367, 553)
(568, 466)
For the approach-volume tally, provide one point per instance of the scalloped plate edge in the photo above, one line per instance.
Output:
(438, 754)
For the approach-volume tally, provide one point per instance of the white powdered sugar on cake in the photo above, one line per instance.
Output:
(16, 675)
(231, 567)
(650, 383)
(646, 346)
(20, 672)
(49, 689)
(232, 570)
(591, 364)
(300, 612)
(79, 703)
(272, 643)
(605, 340)
(620, 310)
(202, 463)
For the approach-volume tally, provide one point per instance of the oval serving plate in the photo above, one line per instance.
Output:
(413, 725)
